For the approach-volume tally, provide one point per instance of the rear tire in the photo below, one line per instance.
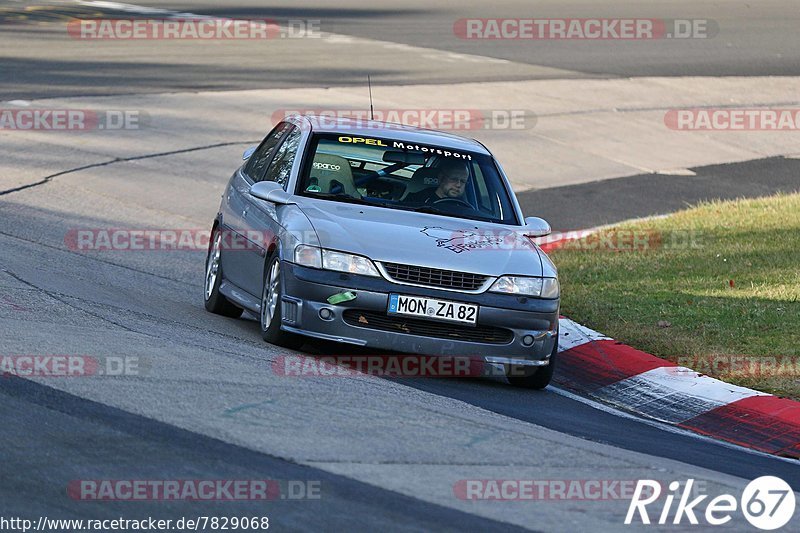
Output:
(215, 301)
(533, 377)
(269, 318)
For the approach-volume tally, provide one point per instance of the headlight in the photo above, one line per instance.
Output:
(524, 286)
(314, 257)
(309, 256)
(354, 264)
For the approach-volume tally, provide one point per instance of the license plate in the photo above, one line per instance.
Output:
(433, 309)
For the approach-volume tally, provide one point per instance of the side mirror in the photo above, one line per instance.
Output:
(536, 227)
(271, 192)
(247, 153)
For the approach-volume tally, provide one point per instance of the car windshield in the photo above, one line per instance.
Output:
(405, 175)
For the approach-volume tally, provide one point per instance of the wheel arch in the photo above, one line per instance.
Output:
(274, 248)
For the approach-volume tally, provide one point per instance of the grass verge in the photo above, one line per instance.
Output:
(715, 287)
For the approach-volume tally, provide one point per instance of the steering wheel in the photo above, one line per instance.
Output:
(458, 201)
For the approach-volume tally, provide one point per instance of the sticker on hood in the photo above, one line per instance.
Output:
(463, 240)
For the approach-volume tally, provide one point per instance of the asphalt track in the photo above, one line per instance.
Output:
(38, 60)
(587, 205)
(387, 452)
(127, 446)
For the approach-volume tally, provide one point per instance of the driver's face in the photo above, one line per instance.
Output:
(453, 183)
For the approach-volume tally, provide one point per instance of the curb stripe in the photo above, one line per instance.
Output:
(599, 367)
(673, 394)
(597, 364)
(766, 423)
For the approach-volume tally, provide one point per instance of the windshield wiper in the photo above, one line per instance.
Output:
(427, 208)
(346, 198)
(339, 197)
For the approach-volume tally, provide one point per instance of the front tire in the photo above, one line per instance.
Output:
(270, 316)
(533, 377)
(215, 301)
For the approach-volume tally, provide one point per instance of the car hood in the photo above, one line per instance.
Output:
(396, 236)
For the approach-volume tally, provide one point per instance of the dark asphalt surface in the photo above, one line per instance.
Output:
(38, 59)
(754, 39)
(587, 205)
(95, 441)
(77, 439)
(561, 414)
(74, 437)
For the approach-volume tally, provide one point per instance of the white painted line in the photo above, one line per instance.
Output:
(676, 172)
(140, 10)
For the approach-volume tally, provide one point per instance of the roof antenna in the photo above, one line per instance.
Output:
(371, 112)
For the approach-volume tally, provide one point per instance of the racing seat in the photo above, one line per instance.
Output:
(423, 178)
(331, 173)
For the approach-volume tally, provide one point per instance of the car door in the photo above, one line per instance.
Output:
(235, 262)
(260, 219)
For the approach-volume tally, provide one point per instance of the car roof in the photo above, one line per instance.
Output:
(391, 130)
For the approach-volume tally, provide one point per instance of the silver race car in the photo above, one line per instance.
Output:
(389, 237)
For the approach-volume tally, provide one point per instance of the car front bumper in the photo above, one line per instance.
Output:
(510, 329)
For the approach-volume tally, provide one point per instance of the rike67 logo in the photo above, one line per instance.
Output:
(766, 502)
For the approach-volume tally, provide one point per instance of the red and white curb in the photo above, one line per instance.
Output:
(595, 366)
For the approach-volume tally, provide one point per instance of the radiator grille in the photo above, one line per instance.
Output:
(434, 277)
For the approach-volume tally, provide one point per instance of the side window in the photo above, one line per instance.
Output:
(257, 164)
(281, 166)
(492, 200)
(500, 202)
(483, 193)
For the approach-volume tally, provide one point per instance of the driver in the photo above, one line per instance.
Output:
(453, 176)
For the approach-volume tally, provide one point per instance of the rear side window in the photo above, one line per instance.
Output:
(257, 165)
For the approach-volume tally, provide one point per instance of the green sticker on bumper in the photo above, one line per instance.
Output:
(345, 296)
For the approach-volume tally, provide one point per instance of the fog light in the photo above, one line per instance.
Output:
(527, 340)
(326, 314)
